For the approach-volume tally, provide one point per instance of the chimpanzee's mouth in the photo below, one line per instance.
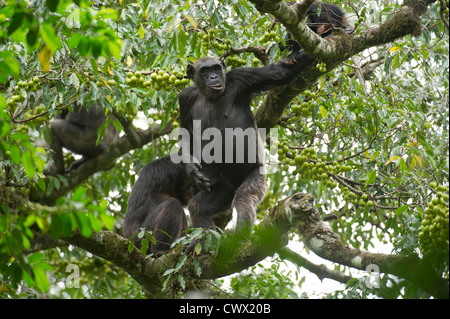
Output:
(216, 87)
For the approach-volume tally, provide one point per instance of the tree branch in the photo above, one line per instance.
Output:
(103, 161)
(114, 248)
(321, 271)
(321, 239)
(333, 50)
(271, 236)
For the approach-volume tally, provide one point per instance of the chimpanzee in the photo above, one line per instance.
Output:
(220, 102)
(330, 17)
(77, 131)
(156, 203)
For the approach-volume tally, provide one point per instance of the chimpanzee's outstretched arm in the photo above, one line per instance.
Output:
(269, 76)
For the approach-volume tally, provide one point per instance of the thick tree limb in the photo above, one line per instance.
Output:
(270, 237)
(333, 50)
(321, 239)
(114, 248)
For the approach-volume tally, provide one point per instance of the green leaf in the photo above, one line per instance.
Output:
(16, 22)
(198, 248)
(66, 225)
(55, 227)
(94, 66)
(401, 209)
(387, 64)
(33, 34)
(84, 46)
(96, 47)
(166, 283)
(43, 266)
(15, 154)
(182, 281)
(74, 80)
(144, 246)
(95, 222)
(182, 42)
(74, 40)
(371, 176)
(52, 5)
(181, 262)
(115, 48)
(108, 221)
(197, 268)
(168, 271)
(41, 184)
(50, 37)
(41, 279)
(57, 183)
(28, 164)
(141, 32)
(351, 283)
(83, 223)
(30, 220)
(28, 279)
(130, 246)
(323, 111)
(374, 156)
(78, 194)
(402, 164)
(36, 257)
(8, 65)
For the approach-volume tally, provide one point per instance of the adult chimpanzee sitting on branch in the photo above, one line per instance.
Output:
(219, 106)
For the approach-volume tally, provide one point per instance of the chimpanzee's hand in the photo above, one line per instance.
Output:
(193, 171)
(291, 59)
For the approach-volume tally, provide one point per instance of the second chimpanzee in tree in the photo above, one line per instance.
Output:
(322, 18)
(156, 203)
(219, 103)
(77, 131)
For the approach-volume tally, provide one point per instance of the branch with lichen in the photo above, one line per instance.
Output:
(333, 50)
(324, 242)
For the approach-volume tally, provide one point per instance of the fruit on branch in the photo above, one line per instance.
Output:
(158, 80)
(434, 229)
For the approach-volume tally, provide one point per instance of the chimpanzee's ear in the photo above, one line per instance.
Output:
(190, 71)
(224, 66)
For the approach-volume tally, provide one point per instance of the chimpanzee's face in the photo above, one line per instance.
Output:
(208, 75)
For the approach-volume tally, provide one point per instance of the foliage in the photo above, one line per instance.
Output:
(372, 153)
(265, 283)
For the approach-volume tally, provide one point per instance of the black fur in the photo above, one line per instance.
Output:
(77, 131)
(237, 185)
(156, 203)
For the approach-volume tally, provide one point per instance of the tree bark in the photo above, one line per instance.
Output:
(270, 236)
(332, 50)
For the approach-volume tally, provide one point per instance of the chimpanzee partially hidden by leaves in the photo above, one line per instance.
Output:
(218, 106)
(322, 18)
(77, 131)
(156, 204)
